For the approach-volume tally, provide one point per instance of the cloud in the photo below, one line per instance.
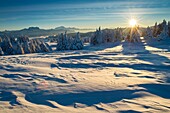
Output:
(97, 11)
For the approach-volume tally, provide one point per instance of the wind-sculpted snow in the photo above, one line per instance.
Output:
(112, 77)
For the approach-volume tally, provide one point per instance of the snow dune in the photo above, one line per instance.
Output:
(121, 77)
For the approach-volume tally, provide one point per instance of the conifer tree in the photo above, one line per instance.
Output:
(76, 44)
(155, 28)
(97, 37)
(149, 34)
(169, 28)
(1, 52)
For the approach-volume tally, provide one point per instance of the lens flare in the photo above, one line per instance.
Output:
(132, 22)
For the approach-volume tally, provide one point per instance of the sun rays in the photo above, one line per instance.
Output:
(133, 22)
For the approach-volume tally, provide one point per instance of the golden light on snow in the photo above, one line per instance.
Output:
(132, 22)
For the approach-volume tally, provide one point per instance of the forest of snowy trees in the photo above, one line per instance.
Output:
(69, 43)
(22, 45)
(10, 45)
(107, 35)
(157, 32)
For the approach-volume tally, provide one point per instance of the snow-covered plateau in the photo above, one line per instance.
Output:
(118, 77)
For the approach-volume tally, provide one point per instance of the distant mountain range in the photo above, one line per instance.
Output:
(36, 31)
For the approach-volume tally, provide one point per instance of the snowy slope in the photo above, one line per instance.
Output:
(120, 77)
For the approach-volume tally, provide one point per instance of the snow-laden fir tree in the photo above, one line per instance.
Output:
(66, 42)
(97, 38)
(169, 28)
(108, 35)
(60, 42)
(155, 28)
(100, 36)
(0, 40)
(22, 39)
(7, 46)
(118, 34)
(133, 35)
(149, 34)
(44, 47)
(37, 43)
(16, 45)
(26, 47)
(164, 32)
(63, 42)
(24, 42)
(32, 46)
(1, 52)
(19, 49)
(21, 45)
(93, 40)
(77, 43)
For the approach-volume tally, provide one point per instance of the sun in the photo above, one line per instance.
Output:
(132, 22)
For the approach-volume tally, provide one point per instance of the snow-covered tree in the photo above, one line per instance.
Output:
(93, 40)
(1, 40)
(97, 38)
(1, 52)
(68, 43)
(7, 46)
(133, 35)
(60, 42)
(26, 47)
(22, 39)
(44, 47)
(21, 45)
(169, 28)
(63, 42)
(155, 28)
(149, 34)
(164, 32)
(118, 34)
(163, 35)
(32, 47)
(77, 43)
(19, 49)
(37, 43)
(108, 35)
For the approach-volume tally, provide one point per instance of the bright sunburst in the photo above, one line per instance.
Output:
(132, 22)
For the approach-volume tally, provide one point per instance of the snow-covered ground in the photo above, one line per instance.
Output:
(120, 77)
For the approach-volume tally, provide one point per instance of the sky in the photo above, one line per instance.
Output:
(19, 14)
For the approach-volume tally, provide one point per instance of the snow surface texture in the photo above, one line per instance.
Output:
(120, 77)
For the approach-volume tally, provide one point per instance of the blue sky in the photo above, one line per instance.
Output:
(18, 14)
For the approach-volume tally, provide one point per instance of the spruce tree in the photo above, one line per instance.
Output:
(133, 35)
(118, 34)
(97, 37)
(155, 28)
(76, 44)
(1, 52)
(149, 34)
(62, 42)
(164, 32)
(19, 49)
(169, 28)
